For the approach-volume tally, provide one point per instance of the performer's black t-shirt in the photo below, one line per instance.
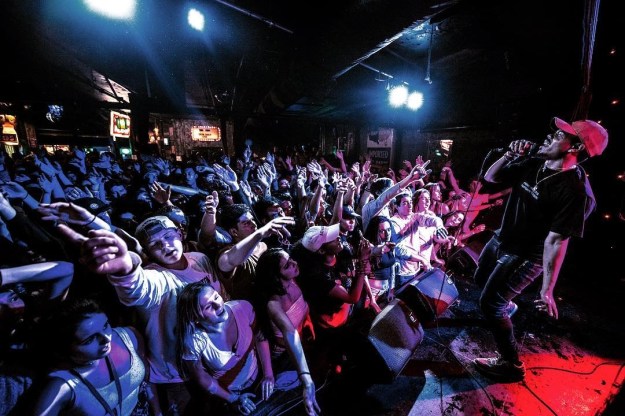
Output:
(542, 200)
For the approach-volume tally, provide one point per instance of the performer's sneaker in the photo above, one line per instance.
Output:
(500, 369)
(511, 309)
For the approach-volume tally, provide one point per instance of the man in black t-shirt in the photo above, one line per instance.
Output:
(549, 203)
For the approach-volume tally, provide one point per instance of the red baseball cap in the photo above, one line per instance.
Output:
(591, 133)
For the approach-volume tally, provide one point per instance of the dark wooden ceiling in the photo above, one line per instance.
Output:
(477, 62)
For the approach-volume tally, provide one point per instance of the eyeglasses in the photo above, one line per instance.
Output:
(561, 134)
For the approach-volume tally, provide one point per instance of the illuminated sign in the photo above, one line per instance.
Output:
(120, 124)
(9, 135)
(205, 134)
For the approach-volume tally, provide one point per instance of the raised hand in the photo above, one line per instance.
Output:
(288, 162)
(79, 153)
(160, 194)
(211, 202)
(45, 184)
(73, 193)
(247, 154)
(66, 212)
(418, 171)
(44, 166)
(14, 190)
(116, 169)
(364, 250)
(263, 176)
(341, 186)
(58, 169)
(336, 177)
(271, 168)
(101, 251)
(314, 168)
(270, 158)
(246, 188)
(356, 168)
(366, 167)
(227, 174)
(478, 228)
(277, 226)
(103, 164)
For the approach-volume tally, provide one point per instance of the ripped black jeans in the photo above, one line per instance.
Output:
(502, 277)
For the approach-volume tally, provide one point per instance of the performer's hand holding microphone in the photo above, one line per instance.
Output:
(519, 148)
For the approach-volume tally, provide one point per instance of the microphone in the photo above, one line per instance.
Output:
(531, 151)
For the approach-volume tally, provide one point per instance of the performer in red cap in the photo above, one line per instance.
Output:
(550, 200)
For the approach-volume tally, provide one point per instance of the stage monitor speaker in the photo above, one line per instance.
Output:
(394, 336)
(429, 294)
(463, 261)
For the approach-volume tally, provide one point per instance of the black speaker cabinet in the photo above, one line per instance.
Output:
(394, 335)
(463, 262)
(429, 294)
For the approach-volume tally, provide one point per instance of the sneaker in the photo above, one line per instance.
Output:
(511, 309)
(500, 369)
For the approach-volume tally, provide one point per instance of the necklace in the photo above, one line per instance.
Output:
(543, 169)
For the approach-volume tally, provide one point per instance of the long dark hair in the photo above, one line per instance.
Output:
(57, 332)
(371, 234)
(268, 283)
(268, 277)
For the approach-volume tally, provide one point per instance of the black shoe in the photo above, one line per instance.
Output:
(511, 309)
(500, 369)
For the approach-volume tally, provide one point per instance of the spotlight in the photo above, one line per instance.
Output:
(114, 9)
(415, 100)
(397, 96)
(196, 19)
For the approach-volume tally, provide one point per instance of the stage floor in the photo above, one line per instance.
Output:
(574, 364)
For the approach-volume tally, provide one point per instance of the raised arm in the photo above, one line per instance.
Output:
(516, 149)
(241, 251)
(59, 273)
(208, 226)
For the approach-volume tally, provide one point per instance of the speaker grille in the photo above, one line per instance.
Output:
(394, 335)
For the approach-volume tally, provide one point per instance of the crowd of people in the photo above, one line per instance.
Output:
(160, 287)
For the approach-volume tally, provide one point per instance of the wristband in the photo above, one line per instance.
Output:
(89, 223)
(508, 155)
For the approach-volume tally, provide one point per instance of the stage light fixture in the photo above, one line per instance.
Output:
(398, 95)
(113, 9)
(415, 100)
(196, 19)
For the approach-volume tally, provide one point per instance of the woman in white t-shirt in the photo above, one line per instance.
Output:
(221, 350)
